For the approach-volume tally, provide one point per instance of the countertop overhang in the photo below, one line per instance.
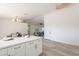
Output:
(17, 40)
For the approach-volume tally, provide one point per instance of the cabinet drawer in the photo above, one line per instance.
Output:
(18, 50)
(3, 52)
(17, 47)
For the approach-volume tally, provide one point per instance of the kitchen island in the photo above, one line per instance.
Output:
(21, 46)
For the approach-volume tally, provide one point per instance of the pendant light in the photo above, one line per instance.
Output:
(17, 19)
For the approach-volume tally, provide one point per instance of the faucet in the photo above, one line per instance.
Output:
(28, 30)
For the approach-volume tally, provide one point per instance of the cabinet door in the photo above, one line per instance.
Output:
(3, 52)
(18, 50)
(38, 46)
(27, 48)
(30, 48)
(34, 48)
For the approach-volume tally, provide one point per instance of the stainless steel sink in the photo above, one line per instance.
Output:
(9, 39)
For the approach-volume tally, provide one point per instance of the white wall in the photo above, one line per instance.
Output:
(7, 27)
(63, 25)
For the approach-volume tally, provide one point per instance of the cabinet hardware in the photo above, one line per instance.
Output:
(17, 47)
(8, 55)
(31, 42)
(35, 46)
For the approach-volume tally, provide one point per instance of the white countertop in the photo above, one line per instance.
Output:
(17, 40)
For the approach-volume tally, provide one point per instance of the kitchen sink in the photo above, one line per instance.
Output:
(8, 39)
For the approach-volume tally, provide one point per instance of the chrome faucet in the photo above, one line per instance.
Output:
(28, 30)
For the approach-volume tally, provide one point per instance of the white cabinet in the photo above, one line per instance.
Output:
(34, 48)
(31, 48)
(39, 46)
(27, 49)
(3, 52)
(18, 50)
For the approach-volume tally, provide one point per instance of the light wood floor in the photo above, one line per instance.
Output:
(52, 48)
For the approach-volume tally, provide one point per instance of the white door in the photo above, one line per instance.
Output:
(18, 50)
(3, 52)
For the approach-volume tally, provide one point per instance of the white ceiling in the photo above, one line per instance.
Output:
(32, 12)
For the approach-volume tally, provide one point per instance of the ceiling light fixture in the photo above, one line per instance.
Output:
(62, 5)
(17, 19)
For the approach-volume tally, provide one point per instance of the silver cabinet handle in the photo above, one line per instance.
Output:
(31, 42)
(35, 46)
(9, 55)
(17, 47)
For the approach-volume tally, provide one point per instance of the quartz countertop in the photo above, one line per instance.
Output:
(16, 40)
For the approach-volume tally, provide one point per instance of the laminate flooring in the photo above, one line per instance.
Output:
(52, 48)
